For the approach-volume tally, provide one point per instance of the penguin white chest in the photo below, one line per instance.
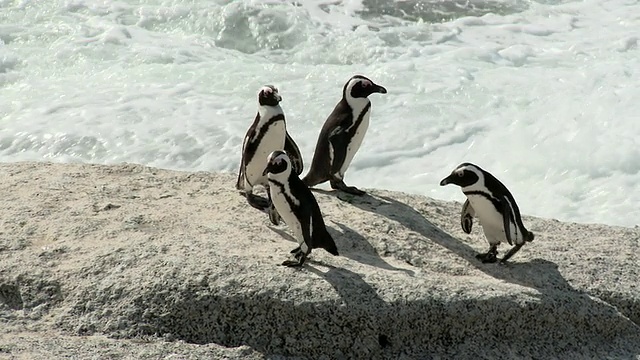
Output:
(281, 204)
(272, 140)
(490, 219)
(355, 142)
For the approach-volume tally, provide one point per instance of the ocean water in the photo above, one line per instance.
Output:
(545, 94)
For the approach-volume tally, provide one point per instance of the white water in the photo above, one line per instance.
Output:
(543, 94)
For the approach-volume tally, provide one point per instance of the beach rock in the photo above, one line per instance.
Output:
(127, 261)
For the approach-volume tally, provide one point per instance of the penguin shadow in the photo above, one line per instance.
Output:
(539, 274)
(282, 233)
(358, 250)
(350, 286)
(360, 297)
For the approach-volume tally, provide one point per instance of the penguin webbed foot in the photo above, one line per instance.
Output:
(340, 185)
(258, 202)
(487, 258)
(299, 256)
(293, 263)
(510, 253)
(490, 256)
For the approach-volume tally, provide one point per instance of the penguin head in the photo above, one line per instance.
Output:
(361, 87)
(268, 96)
(464, 175)
(278, 165)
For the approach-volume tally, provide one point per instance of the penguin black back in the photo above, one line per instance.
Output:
(342, 134)
(493, 203)
(297, 206)
(267, 133)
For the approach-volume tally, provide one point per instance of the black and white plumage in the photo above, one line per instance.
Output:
(342, 135)
(492, 203)
(267, 133)
(298, 208)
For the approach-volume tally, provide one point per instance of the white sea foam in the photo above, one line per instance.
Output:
(544, 94)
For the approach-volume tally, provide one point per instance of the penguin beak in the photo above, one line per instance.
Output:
(379, 89)
(266, 170)
(446, 181)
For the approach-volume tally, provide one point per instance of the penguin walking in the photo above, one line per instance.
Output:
(342, 134)
(267, 134)
(298, 208)
(492, 203)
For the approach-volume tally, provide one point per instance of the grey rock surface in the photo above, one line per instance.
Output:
(127, 261)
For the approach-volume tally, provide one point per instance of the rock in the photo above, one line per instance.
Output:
(196, 274)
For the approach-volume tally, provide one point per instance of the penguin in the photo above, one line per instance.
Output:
(342, 134)
(492, 203)
(267, 133)
(298, 208)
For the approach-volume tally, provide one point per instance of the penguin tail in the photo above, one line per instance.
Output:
(311, 179)
(332, 249)
(329, 245)
(530, 236)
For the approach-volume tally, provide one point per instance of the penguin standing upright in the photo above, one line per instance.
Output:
(298, 208)
(267, 134)
(492, 203)
(342, 134)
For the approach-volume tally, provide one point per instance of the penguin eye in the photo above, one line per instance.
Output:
(280, 159)
(460, 173)
(365, 83)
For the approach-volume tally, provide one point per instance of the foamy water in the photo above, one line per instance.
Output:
(543, 94)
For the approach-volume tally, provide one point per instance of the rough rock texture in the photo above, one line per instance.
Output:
(133, 262)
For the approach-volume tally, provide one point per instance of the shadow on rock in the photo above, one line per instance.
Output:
(359, 323)
(357, 248)
(283, 233)
(351, 245)
(539, 274)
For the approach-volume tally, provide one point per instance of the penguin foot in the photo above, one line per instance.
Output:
(298, 262)
(489, 257)
(292, 263)
(353, 190)
(296, 250)
(510, 253)
(258, 202)
(340, 185)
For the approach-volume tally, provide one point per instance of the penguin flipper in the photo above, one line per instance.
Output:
(240, 181)
(338, 142)
(507, 218)
(291, 148)
(466, 217)
(274, 216)
(240, 184)
(302, 251)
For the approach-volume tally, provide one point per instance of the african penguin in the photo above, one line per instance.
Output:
(298, 208)
(267, 134)
(342, 134)
(492, 203)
